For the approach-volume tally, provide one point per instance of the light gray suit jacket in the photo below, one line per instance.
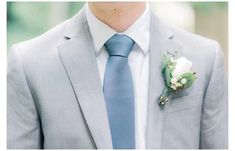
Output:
(55, 97)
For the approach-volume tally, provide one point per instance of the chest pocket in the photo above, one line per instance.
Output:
(185, 102)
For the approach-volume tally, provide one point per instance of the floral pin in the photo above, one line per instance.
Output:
(177, 75)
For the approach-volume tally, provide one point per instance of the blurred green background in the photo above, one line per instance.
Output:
(26, 20)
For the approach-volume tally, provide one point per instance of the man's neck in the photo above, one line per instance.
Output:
(117, 15)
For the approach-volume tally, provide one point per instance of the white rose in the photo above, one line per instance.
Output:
(182, 66)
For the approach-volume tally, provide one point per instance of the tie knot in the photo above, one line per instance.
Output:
(119, 45)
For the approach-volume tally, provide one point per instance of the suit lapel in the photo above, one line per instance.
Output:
(79, 60)
(161, 41)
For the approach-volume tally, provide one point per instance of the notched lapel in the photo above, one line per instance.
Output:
(78, 57)
(161, 41)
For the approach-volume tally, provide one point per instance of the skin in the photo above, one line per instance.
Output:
(117, 15)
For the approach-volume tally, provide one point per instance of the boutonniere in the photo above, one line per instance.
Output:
(177, 74)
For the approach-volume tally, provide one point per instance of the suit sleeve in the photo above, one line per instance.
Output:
(23, 123)
(214, 121)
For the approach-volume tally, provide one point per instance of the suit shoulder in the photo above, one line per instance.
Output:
(193, 39)
(197, 44)
(44, 41)
(204, 52)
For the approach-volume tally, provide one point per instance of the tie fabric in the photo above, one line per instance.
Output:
(119, 92)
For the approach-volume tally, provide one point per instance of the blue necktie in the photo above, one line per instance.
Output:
(119, 93)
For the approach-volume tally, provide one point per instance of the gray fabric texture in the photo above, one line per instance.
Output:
(55, 97)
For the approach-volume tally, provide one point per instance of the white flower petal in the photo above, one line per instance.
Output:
(182, 66)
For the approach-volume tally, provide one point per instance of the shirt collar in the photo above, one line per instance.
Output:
(138, 31)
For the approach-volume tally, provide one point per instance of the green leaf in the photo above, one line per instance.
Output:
(190, 77)
(167, 68)
(163, 71)
(168, 76)
(166, 59)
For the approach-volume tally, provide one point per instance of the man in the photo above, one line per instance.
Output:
(94, 81)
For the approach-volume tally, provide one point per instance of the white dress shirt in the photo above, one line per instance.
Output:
(138, 59)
